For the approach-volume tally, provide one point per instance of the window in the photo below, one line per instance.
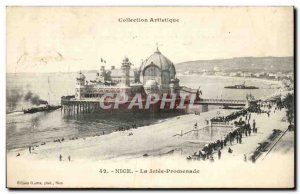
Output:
(152, 72)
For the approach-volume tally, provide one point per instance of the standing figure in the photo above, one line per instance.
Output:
(69, 157)
(219, 154)
(60, 157)
(254, 130)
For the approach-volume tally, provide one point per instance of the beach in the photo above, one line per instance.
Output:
(119, 144)
(120, 151)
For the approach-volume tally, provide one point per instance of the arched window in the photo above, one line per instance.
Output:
(152, 72)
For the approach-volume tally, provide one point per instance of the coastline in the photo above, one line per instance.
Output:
(153, 146)
(119, 144)
(162, 124)
(241, 78)
(44, 165)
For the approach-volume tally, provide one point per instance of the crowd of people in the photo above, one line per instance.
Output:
(243, 126)
(243, 129)
(230, 117)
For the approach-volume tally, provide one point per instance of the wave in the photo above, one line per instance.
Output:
(15, 113)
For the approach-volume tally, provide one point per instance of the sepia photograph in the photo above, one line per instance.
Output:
(148, 97)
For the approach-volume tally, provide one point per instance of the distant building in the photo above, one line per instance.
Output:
(272, 76)
(246, 74)
(233, 74)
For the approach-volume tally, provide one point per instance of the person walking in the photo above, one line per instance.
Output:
(219, 154)
(254, 125)
(60, 157)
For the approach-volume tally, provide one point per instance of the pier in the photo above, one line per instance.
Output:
(222, 102)
(72, 106)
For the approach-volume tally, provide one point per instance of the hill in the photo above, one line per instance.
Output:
(245, 64)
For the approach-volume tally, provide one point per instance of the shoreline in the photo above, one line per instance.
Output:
(120, 144)
(155, 147)
(146, 133)
(162, 123)
(279, 82)
(90, 165)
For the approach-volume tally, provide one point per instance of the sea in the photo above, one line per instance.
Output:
(23, 130)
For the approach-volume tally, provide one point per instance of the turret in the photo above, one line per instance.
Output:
(80, 79)
(125, 81)
(80, 82)
(102, 71)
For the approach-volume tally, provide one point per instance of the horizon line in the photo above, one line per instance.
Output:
(174, 64)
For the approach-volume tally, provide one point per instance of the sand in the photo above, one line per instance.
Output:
(117, 150)
(154, 139)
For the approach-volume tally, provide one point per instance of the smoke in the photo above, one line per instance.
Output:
(34, 99)
(17, 95)
(13, 97)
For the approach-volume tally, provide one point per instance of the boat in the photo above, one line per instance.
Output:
(46, 108)
(241, 86)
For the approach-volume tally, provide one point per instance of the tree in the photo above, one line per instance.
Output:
(288, 103)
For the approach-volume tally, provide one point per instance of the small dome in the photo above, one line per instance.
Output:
(125, 60)
(80, 76)
(159, 60)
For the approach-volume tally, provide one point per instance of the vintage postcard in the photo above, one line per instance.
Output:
(150, 97)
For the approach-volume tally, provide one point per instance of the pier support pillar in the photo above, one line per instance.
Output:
(204, 108)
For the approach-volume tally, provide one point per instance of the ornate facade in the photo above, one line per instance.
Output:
(157, 74)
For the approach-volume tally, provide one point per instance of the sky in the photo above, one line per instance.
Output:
(70, 39)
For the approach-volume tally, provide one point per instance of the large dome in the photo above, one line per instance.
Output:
(158, 68)
(158, 60)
